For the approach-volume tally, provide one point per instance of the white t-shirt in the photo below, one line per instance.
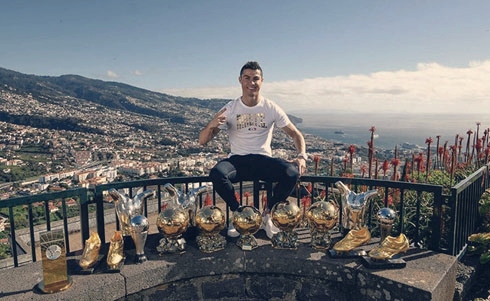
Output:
(250, 128)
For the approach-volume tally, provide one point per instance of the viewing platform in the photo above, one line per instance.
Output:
(265, 273)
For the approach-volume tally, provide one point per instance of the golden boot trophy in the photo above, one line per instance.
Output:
(115, 256)
(353, 212)
(387, 253)
(90, 256)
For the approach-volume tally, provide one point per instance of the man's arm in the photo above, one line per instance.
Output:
(212, 128)
(299, 143)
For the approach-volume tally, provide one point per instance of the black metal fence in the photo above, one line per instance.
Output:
(431, 219)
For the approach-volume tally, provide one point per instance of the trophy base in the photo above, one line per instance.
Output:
(211, 243)
(349, 254)
(171, 246)
(247, 242)
(116, 268)
(320, 241)
(91, 270)
(392, 263)
(55, 287)
(140, 258)
(285, 240)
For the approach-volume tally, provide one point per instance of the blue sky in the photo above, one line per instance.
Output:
(356, 56)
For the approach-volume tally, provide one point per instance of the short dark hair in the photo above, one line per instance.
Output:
(251, 65)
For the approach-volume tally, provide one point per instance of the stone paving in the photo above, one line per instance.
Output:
(265, 273)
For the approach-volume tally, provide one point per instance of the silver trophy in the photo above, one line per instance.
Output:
(386, 218)
(127, 207)
(353, 206)
(139, 233)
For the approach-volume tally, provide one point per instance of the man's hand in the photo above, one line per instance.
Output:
(219, 119)
(301, 162)
(212, 128)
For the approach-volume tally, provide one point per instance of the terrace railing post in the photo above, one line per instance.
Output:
(256, 189)
(99, 204)
(84, 217)
(437, 224)
(13, 241)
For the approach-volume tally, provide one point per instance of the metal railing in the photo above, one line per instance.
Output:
(422, 209)
(463, 209)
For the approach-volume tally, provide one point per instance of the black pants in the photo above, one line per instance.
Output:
(254, 167)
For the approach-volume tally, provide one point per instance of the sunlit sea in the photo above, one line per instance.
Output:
(392, 129)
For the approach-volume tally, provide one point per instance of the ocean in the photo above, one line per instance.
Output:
(392, 129)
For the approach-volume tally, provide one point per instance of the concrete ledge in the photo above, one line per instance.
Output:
(233, 274)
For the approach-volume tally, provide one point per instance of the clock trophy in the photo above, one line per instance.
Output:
(55, 270)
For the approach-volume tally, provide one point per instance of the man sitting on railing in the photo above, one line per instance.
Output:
(249, 121)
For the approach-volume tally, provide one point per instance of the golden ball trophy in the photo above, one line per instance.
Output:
(247, 221)
(172, 222)
(286, 216)
(322, 216)
(210, 220)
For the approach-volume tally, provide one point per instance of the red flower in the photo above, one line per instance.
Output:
(309, 187)
(208, 201)
(264, 200)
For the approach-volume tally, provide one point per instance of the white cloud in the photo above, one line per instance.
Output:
(137, 73)
(430, 88)
(112, 74)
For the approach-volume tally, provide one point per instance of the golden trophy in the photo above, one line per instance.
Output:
(115, 256)
(322, 216)
(176, 216)
(172, 222)
(286, 216)
(210, 220)
(139, 233)
(90, 256)
(386, 218)
(388, 253)
(353, 212)
(55, 269)
(247, 221)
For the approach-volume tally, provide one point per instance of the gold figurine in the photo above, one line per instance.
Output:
(353, 239)
(115, 256)
(390, 247)
(91, 250)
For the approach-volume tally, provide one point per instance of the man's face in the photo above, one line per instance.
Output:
(251, 81)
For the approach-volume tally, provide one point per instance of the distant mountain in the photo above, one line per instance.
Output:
(113, 95)
(73, 94)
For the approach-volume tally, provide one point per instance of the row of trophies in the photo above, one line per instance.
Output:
(180, 211)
